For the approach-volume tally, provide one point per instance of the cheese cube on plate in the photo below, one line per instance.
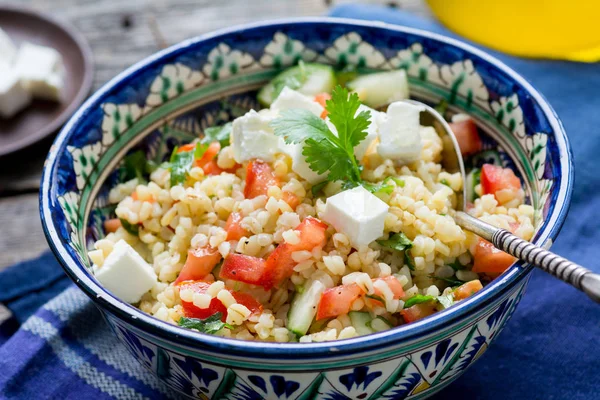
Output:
(399, 137)
(358, 214)
(8, 50)
(300, 166)
(42, 71)
(13, 95)
(252, 137)
(291, 99)
(126, 274)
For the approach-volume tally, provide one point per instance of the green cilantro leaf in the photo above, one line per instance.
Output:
(397, 241)
(456, 265)
(324, 151)
(375, 297)
(351, 128)
(182, 162)
(408, 260)
(219, 134)
(210, 325)
(136, 165)
(417, 299)
(133, 229)
(316, 189)
(451, 281)
(384, 187)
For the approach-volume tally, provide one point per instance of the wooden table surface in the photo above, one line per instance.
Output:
(121, 33)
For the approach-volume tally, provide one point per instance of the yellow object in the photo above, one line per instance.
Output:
(531, 28)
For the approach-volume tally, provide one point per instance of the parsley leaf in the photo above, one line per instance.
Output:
(397, 241)
(219, 134)
(316, 189)
(384, 187)
(210, 325)
(324, 151)
(132, 229)
(136, 165)
(451, 281)
(456, 265)
(409, 260)
(417, 299)
(182, 162)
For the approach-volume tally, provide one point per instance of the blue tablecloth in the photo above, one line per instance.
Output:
(547, 351)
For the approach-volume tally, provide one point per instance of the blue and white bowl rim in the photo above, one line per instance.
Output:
(348, 347)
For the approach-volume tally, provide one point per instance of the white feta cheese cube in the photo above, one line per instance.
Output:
(13, 95)
(252, 137)
(399, 137)
(8, 50)
(42, 71)
(358, 214)
(126, 274)
(289, 98)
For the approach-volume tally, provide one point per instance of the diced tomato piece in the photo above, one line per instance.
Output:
(243, 268)
(191, 311)
(292, 200)
(247, 300)
(280, 264)
(494, 179)
(259, 177)
(199, 263)
(186, 147)
(490, 260)
(215, 306)
(322, 98)
(234, 228)
(210, 153)
(418, 311)
(467, 289)
(111, 225)
(211, 168)
(337, 300)
(393, 283)
(467, 136)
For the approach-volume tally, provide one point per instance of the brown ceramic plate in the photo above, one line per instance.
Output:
(41, 118)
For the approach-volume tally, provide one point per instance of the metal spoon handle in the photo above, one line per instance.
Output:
(565, 270)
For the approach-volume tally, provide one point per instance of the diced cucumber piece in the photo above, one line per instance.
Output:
(308, 79)
(473, 179)
(361, 321)
(381, 88)
(304, 307)
(380, 324)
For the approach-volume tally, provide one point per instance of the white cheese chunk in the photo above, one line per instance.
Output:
(126, 274)
(252, 137)
(13, 95)
(42, 71)
(399, 137)
(289, 99)
(8, 50)
(356, 213)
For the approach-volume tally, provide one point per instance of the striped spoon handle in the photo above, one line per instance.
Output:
(563, 269)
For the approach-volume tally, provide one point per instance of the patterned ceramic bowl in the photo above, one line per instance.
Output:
(170, 97)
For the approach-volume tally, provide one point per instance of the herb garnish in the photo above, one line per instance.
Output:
(136, 165)
(210, 325)
(181, 162)
(397, 241)
(132, 229)
(219, 134)
(417, 299)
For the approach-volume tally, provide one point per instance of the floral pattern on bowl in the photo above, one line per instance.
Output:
(172, 97)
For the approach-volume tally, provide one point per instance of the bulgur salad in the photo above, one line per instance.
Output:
(326, 215)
